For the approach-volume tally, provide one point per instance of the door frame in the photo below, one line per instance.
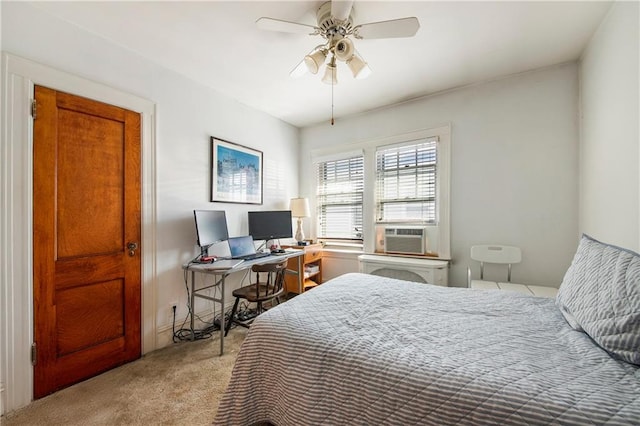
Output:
(19, 76)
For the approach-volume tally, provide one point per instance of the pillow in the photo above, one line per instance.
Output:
(600, 294)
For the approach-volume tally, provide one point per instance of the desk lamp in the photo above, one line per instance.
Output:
(300, 208)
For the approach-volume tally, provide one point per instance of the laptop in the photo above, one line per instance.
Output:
(243, 248)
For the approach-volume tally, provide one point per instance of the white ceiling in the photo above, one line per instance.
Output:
(217, 44)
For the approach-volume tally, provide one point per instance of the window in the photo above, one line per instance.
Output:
(406, 183)
(340, 193)
(364, 187)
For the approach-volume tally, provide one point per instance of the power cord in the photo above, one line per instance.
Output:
(173, 326)
(184, 334)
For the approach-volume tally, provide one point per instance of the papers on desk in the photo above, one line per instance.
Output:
(223, 264)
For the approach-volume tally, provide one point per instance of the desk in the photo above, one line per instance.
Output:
(220, 277)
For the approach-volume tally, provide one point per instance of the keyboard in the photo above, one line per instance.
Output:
(252, 256)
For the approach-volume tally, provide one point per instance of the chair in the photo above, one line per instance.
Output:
(505, 255)
(260, 291)
(497, 254)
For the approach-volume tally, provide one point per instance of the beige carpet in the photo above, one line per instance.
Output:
(177, 385)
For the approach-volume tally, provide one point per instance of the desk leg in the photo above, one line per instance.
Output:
(300, 274)
(222, 325)
(191, 306)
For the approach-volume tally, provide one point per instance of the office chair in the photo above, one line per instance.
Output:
(260, 292)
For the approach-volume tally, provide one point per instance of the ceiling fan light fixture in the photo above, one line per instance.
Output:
(359, 68)
(330, 73)
(335, 25)
(314, 60)
(344, 49)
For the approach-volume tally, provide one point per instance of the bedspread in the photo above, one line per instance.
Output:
(368, 350)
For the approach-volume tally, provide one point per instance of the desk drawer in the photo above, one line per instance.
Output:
(311, 255)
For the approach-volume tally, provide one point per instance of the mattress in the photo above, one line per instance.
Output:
(363, 350)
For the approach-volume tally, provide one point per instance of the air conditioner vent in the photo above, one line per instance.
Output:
(410, 231)
(405, 240)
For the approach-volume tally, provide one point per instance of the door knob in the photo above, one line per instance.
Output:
(132, 247)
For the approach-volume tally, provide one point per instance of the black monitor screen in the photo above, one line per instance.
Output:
(211, 227)
(270, 225)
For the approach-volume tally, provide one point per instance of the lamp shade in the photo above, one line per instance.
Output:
(299, 207)
(358, 67)
(344, 50)
(314, 60)
(330, 76)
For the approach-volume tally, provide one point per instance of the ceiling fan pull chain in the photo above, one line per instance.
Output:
(334, 79)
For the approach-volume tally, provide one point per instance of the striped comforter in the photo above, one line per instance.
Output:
(367, 350)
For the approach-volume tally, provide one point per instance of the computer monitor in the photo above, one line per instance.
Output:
(270, 225)
(211, 227)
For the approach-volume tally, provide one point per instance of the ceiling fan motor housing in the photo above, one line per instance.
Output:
(331, 27)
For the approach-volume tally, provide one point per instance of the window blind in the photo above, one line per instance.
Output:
(340, 194)
(406, 182)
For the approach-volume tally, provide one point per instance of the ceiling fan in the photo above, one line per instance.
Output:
(335, 25)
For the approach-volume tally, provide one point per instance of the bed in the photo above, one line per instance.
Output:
(368, 350)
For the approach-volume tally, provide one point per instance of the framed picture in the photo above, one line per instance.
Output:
(236, 173)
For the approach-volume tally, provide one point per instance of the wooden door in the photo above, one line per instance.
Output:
(86, 211)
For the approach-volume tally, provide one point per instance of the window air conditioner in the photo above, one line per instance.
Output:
(405, 239)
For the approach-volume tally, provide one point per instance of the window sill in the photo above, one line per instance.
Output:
(344, 245)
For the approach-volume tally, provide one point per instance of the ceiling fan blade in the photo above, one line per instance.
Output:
(395, 28)
(299, 70)
(340, 9)
(271, 24)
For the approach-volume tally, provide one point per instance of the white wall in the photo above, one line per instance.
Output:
(609, 147)
(514, 164)
(187, 115)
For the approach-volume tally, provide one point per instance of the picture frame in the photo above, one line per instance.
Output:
(236, 173)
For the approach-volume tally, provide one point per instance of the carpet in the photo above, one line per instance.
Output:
(177, 385)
